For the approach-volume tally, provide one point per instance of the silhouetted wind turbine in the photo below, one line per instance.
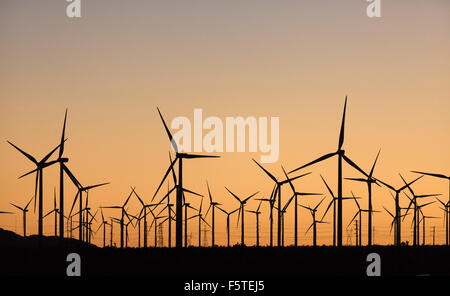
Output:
(104, 223)
(441, 176)
(359, 212)
(124, 213)
(228, 223)
(257, 213)
(446, 209)
(369, 181)
(212, 205)
(397, 241)
(241, 210)
(424, 218)
(341, 156)
(179, 196)
(332, 202)
(271, 201)
(155, 222)
(40, 165)
(279, 184)
(313, 225)
(413, 201)
(295, 195)
(79, 196)
(186, 206)
(24, 212)
(200, 219)
(55, 210)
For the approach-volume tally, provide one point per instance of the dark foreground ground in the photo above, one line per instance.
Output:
(22, 256)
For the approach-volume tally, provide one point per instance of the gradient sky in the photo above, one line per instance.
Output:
(293, 59)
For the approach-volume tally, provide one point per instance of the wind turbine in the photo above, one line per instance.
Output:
(271, 201)
(241, 210)
(424, 217)
(212, 205)
(413, 201)
(40, 165)
(369, 181)
(79, 196)
(257, 213)
(341, 156)
(155, 222)
(441, 176)
(397, 191)
(295, 195)
(186, 206)
(278, 184)
(359, 212)
(394, 222)
(200, 219)
(124, 213)
(446, 209)
(24, 212)
(333, 202)
(313, 225)
(228, 223)
(179, 193)
(55, 210)
(104, 223)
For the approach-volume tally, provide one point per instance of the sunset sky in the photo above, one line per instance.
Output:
(296, 60)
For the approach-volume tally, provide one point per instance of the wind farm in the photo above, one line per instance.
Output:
(158, 209)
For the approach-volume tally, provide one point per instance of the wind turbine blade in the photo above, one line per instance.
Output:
(190, 156)
(16, 206)
(129, 196)
(233, 194)
(172, 140)
(192, 192)
(350, 162)
(289, 180)
(71, 176)
(266, 171)
(410, 183)
(432, 174)
(245, 200)
(173, 171)
(294, 178)
(322, 158)
(310, 227)
(388, 212)
(209, 192)
(374, 163)
(353, 218)
(74, 201)
(164, 178)
(205, 222)
(341, 133)
(61, 147)
(354, 198)
(328, 187)
(24, 153)
(94, 186)
(319, 205)
(26, 207)
(385, 184)
(138, 197)
(356, 179)
(326, 211)
(50, 154)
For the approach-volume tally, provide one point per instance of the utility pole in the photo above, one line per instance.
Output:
(356, 232)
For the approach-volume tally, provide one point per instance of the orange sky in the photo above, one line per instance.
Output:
(296, 60)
